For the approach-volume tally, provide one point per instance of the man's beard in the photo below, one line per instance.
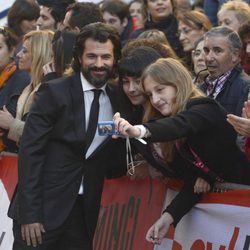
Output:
(99, 80)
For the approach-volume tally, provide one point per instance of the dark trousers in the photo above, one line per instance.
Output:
(72, 235)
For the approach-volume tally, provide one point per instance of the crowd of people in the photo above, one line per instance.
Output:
(173, 76)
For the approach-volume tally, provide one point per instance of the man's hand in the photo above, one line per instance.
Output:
(32, 233)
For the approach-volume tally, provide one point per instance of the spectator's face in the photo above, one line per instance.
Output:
(131, 87)
(27, 25)
(25, 57)
(5, 54)
(159, 9)
(97, 62)
(188, 36)
(135, 10)
(199, 58)
(219, 57)
(115, 21)
(46, 21)
(162, 97)
(228, 19)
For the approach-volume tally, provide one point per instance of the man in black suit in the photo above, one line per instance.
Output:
(61, 169)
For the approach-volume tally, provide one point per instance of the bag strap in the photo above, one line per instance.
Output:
(197, 162)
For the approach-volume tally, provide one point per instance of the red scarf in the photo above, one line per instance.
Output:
(4, 76)
(6, 73)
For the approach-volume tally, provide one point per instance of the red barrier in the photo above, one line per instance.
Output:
(129, 208)
(8, 172)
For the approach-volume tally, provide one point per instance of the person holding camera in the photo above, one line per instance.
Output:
(188, 134)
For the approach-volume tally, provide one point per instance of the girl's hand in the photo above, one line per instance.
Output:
(158, 231)
(201, 186)
(124, 128)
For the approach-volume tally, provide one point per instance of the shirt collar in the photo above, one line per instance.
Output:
(86, 86)
(224, 76)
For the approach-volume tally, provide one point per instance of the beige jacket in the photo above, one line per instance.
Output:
(23, 106)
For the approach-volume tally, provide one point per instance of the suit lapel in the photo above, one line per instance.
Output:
(78, 107)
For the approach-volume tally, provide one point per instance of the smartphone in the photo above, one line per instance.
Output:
(106, 128)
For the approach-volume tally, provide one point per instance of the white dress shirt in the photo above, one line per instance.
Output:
(105, 114)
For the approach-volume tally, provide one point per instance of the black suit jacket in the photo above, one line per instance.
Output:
(52, 162)
(204, 126)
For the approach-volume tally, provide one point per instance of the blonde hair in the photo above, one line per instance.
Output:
(41, 52)
(170, 72)
(241, 9)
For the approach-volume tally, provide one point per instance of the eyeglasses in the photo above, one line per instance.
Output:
(3, 31)
(197, 53)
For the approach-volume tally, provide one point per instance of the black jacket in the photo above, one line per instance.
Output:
(52, 162)
(207, 132)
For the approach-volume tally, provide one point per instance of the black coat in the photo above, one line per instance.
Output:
(212, 138)
(52, 162)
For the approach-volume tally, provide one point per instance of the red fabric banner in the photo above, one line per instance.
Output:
(129, 208)
(8, 172)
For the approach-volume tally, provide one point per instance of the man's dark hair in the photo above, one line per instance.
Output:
(232, 36)
(83, 14)
(116, 8)
(19, 11)
(100, 32)
(58, 8)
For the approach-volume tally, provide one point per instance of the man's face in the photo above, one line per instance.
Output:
(115, 21)
(46, 21)
(97, 62)
(219, 58)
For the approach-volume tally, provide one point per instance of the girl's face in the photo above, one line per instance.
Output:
(162, 97)
(159, 9)
(136, 11)
(188, 36)
(131, 87)
(5, 54)
(24, 56)
(199, 58)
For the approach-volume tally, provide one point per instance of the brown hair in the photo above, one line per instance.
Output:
(169, 71)
(196, 20)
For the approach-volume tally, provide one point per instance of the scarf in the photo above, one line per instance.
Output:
(6, 73)
(4, 76)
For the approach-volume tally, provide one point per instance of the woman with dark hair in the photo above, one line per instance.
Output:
(130, 68)
(62, 47)
(12, 80)
(22, 18)
(160, 15)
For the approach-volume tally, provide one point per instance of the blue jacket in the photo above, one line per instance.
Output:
(9, 95)
(234, 92)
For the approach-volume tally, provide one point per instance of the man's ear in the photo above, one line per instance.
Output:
(236, 56)
(125, 22)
